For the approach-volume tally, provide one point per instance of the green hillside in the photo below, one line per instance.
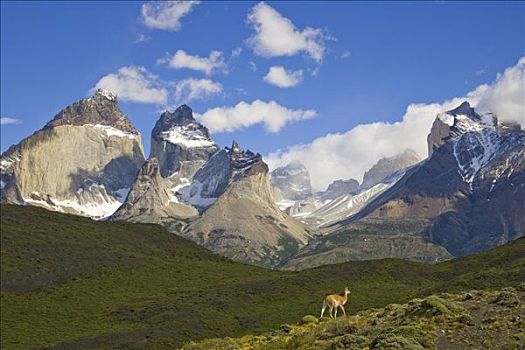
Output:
(477, 319)
(70, 282)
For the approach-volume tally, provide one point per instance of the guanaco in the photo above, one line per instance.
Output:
(334, 301)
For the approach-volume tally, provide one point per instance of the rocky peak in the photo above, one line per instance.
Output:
(180, 128)
(340, 188)
(99, 110)
(235, 147)
(291, 182)
(389, 165)
(104, 94)
(183, 115)
(293, 168)
(245, 162)
(452, 124)
(464, 109)
(149, 169)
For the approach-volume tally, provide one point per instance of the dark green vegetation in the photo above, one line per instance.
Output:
(472, 320)
(70, 282)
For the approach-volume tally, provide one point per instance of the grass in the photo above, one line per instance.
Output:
(69, 282)
(473, 320)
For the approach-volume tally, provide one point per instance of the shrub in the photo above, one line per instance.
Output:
(285, 328)
(340, 326)
(350, 342)
(507, 297)
(309, 319)
(390, 341)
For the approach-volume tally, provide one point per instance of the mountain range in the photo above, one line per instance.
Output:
(467, 196)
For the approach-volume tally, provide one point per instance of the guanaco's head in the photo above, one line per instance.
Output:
(347, 291)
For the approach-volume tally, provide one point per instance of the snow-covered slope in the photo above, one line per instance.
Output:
(344, 198)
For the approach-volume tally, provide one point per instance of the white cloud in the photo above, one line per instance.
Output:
(194, 89)
(208, 65)
(242, 115)
(134, 84)
(7, 121)
(346, 54)
(276, 35)
(165, 15)
(253, 66)
(142, 38)
(283, 78)
(236, 52)
(350, 154)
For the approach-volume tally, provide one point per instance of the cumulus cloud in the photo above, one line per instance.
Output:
(271, 114)
(8, 121)
(283, 78)
(208, 65)
(194, 89)
(165, 15)
(275, 35)
(349, 154)
(134, 84)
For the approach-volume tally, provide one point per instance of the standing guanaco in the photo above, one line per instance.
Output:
(333, 301)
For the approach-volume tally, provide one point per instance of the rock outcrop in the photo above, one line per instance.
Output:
(291, 183)
(244, 223)
(83, 161)
(181, 145)
(150, 200)
(387, 166)
(340, 188)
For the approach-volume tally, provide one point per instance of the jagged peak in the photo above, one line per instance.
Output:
(245, 161)
(464, 109)
(105, 93)
(150, 168)
(180, 127)
(292, 168)
(101, 109)
(235, 147)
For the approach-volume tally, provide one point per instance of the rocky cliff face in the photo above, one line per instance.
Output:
(84, 161)
(244, 224)
(340, 188)
(387, 166)
(181, 145)
(151, 199)
(291, 183)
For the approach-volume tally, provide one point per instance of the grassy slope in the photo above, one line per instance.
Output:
(77, 283)
(477, 319)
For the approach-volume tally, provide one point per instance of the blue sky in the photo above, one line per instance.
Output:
(378, 58)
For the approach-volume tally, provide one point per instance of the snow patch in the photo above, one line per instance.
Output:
(7, 163)
(477, 144)
(285, 204)
(107, 94)
(96, 210)
(188, 136)
(191, 194)
(111, 131)
(446, 118)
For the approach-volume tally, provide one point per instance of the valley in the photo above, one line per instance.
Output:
(69, 282)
